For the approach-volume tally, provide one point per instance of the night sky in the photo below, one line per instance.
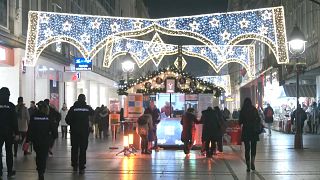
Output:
(174, 8)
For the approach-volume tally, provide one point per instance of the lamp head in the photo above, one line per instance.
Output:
(297, 41)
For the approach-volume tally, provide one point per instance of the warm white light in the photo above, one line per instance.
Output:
(130, 139)
(127, 66)
(297, 46)
(125, 141)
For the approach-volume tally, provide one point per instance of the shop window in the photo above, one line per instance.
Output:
(4, 13)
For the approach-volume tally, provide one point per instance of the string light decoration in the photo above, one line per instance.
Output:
(184, 63)
(90, 33)
(222, 81)
(143, 51)
(155, 83)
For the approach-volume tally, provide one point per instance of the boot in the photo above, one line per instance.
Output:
(252, 163)
(248, 165)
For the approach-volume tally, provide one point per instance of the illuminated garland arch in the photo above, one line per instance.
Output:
(154, 83)
(222, 81)
(211, 29)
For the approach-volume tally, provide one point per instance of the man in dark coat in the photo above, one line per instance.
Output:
(8, 129)
(40, 132)
(268, 117)
(78, 118)
(211, 131)
(188, 122)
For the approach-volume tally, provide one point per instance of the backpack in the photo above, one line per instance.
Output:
(269, 113)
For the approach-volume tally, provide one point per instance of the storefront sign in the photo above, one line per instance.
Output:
(170, 85)
(6, 56)
(83, 64)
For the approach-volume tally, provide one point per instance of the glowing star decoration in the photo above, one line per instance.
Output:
(267, 15)
(48, 32)
(244, 23)
(171, 24)
(214, 22)
(201, 30)
(184, 63)
(194, 26)
(156, 49)
(225, 35)
(95, 24)
(203, 51)
(263, 30)
(115, 27)
(137, 24)
(44, 18)
(221, 81)
(85, 38)
(66, 26)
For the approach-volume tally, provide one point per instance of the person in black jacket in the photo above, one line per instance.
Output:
(78, 119)
(8, 129)
(250, 121)
(55, 117)
(40, 132)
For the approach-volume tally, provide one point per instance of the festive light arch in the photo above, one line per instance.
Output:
(93, 32)
(221, 81)
(138, 49)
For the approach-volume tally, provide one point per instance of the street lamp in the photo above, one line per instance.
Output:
(127, 67)
(297, 44)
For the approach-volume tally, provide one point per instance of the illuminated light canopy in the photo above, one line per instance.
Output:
(222, 81)
(216, 57)
(90, 33)
(184, 63)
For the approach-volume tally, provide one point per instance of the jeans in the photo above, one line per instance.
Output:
(8, 140)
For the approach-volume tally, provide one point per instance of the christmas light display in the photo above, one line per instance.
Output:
(143, 51)
(90, 33)
(155, 83)
(222, 81)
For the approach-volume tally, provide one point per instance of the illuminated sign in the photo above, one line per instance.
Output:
(2, 54)
(170, 85)
(83, 64)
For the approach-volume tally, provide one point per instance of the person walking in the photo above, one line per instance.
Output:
(40, 132)
(222, 127)
(78, 118)
(303, 116)
(188, 122)
(268, 117)
(55, 117)
(155, 113)
(8, 129)
(32, 109)
(250, 121)
(63, 124)
(23, 122)
(144, 124)
(314, 118)
(211, 131)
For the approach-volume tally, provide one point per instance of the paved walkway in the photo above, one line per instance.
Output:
(275, 160)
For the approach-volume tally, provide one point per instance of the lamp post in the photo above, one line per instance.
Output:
(127, 67)
(297, 47)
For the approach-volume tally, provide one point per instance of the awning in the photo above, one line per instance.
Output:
(305, 90)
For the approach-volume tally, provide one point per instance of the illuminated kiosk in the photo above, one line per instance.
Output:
(182, 91)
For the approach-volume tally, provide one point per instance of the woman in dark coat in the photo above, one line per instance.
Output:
(250, 121)
(211, 131)
(188, 121)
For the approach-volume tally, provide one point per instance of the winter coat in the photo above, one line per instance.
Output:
(63, 117)
(145, 125)
(78, 117)
(188, 121)
(41, 129)
(250, 121)
(155, 113)
(8, 118)
(212, 129)
(23, 117)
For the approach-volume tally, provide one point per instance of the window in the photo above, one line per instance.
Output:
(44, 5)
(25, 9)
(4, 13)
